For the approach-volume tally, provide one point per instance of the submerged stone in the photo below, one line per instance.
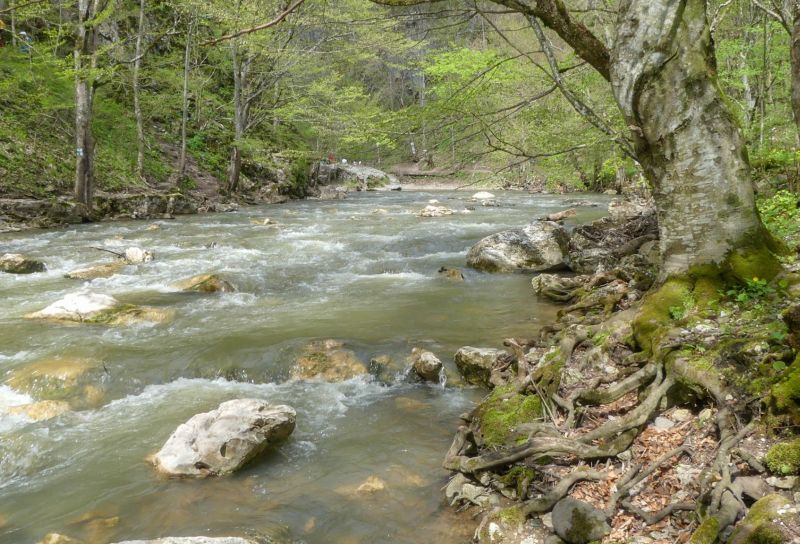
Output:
(42, 410)
(14, 263)
(193, 540)
(73, 380)
(328, 360)
(104, 270)
(225, 439)
(205, 283)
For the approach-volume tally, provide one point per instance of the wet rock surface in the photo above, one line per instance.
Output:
(223, 440)
(537, 247)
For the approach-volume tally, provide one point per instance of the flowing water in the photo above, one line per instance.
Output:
(363, 271)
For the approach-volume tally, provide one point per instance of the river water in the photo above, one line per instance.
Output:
(363, 271)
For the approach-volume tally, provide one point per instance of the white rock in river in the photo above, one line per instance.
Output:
(137, 255)
(538, 247)
(77, 307)
(223, 440)
(435, 211)
(192, 540)
(482, 195)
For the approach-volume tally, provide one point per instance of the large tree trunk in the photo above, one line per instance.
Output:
(663, 73)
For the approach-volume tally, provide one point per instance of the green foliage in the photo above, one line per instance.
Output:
(752, 289)
(781, 215)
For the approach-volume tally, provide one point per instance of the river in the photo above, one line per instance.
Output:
(362, 270)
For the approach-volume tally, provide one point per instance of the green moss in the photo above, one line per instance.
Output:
(753, 262)
(766, 534)
(757, 527)
(786, 394)
(706, 533)
(654, 317)
(503, 410)
(784, 458)
(518, 478)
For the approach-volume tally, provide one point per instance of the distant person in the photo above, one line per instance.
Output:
(26, 40)
(2, 33)
(331, 158)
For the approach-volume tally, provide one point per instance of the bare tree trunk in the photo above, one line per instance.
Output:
(185, 104)
(663, 75)
(13, 24)
(137, 107)
(85, 50)
(795, 57)
(235, 167)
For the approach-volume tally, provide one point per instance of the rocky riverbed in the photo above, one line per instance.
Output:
(314, 305)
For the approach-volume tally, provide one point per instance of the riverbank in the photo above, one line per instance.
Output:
(642, 414)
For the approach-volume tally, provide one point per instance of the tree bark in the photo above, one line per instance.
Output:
(239, 122)
(663, 73)
(85, 62)
(137, 107)
(795, 63)
(185, 99)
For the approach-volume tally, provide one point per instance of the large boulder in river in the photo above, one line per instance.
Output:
(99, 308)
(476, 364)
(538, 247)
(426, 365)
(328, 360)
(14, 263)
(223, 440)
(205, 283)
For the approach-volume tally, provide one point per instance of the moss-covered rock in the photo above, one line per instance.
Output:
(763, 522)
(328, 360)
(501, 412)
(100, 309)
(784, 458)
(14, 263)
(785, 395)
(76, 381)
(475, 364)
(205, 283)
(706, 532)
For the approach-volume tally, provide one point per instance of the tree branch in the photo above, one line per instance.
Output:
(296, 4)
